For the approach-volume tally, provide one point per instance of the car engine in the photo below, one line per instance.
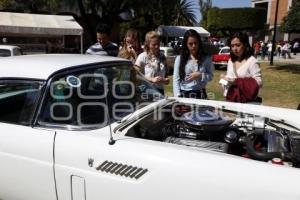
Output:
(204, 127)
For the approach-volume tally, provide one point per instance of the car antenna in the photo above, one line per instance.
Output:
(111, 141)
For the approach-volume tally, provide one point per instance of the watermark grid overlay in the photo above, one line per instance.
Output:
(61, 91)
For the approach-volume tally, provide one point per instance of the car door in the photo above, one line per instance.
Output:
(87, 164)
(26, 170)
(76, 104)
(89, 168)
(26, 154)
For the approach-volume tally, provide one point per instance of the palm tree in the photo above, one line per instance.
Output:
(188, 11)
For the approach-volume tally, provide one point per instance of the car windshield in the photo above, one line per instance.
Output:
(170, 52)
(96, 97)
(5, 53)
(225, 50)
(18, 100)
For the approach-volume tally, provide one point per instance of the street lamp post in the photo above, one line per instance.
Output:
(274, 35)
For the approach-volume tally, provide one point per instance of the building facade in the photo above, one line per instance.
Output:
(283, 8)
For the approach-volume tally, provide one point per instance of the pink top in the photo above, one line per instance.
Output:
(250, 68)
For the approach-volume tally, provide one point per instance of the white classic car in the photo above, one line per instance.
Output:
(89, 127)
(10, 50)
(170, 55)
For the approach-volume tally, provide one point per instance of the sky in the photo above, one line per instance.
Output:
(231, 3)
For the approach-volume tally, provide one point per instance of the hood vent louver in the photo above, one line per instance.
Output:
(122, 169)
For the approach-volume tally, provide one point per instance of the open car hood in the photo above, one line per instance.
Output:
(284, 115)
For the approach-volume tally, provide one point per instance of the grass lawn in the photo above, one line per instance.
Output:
(281, 85)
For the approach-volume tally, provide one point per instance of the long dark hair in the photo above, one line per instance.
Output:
(185, 53)
(248, 50)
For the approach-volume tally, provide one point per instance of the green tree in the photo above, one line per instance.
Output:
(29, 6)
(205, 5)
(4, 4)
(235, 19)
(163, 12)
(144, 15)
(291, 23)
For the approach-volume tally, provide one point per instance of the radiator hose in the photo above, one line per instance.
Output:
(263, 156)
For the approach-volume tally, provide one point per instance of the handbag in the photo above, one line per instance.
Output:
(244, 91)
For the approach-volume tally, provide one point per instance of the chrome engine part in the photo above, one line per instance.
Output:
(205, 121)
(295, 147)
(213, 146)
(250, 124)
(243, 134)
(276, 142)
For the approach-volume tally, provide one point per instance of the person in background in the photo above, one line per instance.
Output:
(192, 68)
(152, 62)
(296, 47)
(4, 40)
(286, 50)
(269, 46)
(278, 49)
(103, 46)
(289, 49)
(131, 47)
(243, 71)
(49, 46)
(263, 49)
(256, 49)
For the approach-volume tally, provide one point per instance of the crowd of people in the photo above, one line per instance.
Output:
(283, 49)
(193, 68)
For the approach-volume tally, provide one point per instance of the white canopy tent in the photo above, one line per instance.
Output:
(39, 25)
(178, 31)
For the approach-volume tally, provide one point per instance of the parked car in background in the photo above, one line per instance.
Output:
(90, 127)
(221, 58)
(10, 50)
(170, 55)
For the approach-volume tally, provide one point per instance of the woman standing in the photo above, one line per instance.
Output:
(152, 62)
(131, 46)
(192, 68)
(243, 71)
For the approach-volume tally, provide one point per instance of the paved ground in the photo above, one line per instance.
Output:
(294, 60)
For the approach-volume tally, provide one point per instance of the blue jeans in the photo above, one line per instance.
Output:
(197, 94)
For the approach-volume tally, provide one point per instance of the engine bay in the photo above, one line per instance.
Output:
(205, 127)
